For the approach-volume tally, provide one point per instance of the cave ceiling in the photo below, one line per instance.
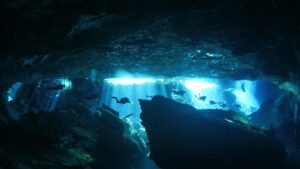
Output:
(236, 39)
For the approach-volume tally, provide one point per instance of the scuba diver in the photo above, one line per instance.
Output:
(202, 98)
(211, 102)
(123, 100)
(243, 87)
(223, 105)
(238, 106)
(178, 92)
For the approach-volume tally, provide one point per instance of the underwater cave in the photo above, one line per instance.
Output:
(170, 84)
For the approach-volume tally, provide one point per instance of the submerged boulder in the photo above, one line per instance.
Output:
(181, 136)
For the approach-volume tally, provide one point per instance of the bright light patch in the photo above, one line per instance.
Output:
(129, 81)
(197, 86)
(247, 101)
(12, 91)
(10, 98)
(243, 91)
(66, 82)
(201, 91)
(230, 121)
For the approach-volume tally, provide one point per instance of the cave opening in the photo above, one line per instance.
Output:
(169, 84)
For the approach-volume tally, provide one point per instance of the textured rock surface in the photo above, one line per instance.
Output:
(69, 139)
(231, 38)
(183, 137)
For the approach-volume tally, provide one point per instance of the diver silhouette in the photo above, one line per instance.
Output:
(243, 87)
(178, 92)
(202, 98)
(223, 105)
(211, 102)
(123, 100)
(237, 105)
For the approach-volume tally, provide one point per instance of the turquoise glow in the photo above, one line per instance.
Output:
(12, 91)
(134, 89)
(243, 91)
(66, 82)
(203, 87)
(238, 96)
(129, 81)
(197, 85)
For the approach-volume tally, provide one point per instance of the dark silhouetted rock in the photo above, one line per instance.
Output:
(75, 138)
(183, 137)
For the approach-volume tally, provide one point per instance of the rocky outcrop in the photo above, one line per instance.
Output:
(183, 137)
(76, 138)
(231, 38)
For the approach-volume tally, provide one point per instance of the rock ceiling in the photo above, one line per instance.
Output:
(235, 39)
